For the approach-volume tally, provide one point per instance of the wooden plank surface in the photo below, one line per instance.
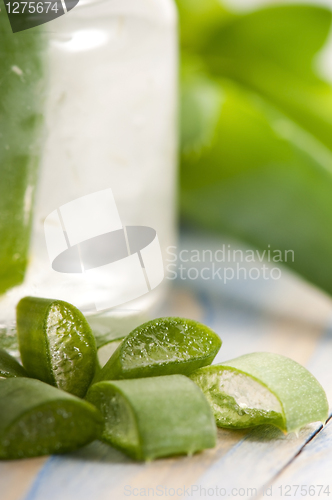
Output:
(311, 471)
(16, 479)
(287, 317)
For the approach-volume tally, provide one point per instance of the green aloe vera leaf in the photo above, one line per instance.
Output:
(22, 82)
(262, 388)
(154, 417)
(201, 104)
(265, 181)
(271, 51)
(261, 171)
(37, 419)
(163, 346)
(197, 20)
(56, 344)
(9, 367)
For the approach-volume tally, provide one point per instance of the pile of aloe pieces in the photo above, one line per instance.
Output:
(157, 395)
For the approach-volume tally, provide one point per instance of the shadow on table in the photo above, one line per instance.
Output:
(266, 433)
(99, 452)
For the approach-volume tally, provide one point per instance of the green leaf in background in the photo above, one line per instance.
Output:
(201, 102)
(261, 186)
(256, 129)
(271, 51)
(197, 18)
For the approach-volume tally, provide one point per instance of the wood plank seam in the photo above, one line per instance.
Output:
(283, 469)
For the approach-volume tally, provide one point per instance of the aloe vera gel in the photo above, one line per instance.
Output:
(262, 388)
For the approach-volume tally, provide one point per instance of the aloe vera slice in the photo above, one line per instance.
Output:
(9, 367)
(163, 346)
(37, 419)
(56, 344)
(154, 417)
(262, 388)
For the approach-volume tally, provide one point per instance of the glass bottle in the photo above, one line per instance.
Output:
(105, 85)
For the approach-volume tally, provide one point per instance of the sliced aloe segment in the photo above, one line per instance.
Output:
(36, 419)
(262, 388)
(154, 417)
(163, 346)
(56, 344)
(9, 367)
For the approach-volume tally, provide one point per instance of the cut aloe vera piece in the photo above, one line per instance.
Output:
(154, 417)
(163, 346)
(262, 388)
(9, 367)
(56, 344)
(36, 419)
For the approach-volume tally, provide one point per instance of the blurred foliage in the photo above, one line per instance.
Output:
(256, 129)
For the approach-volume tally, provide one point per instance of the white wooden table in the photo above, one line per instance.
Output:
(285, 316)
